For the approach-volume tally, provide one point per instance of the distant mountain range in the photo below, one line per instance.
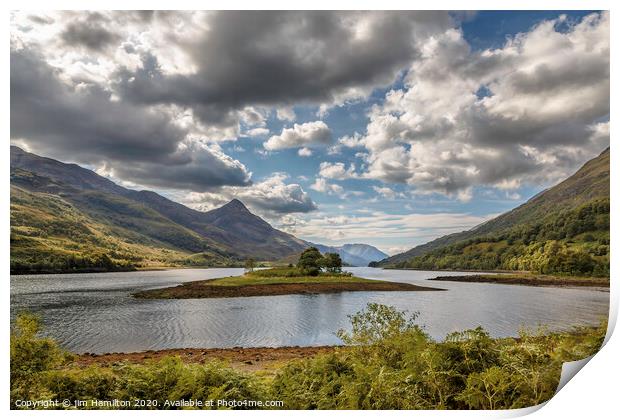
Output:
(68, 218)
(564, 229)
(359, 255)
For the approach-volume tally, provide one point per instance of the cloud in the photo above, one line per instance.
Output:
(337, 171)
(271, 197)
(286, 114)
(257, 132)
(307, 134)
(252, 116)
(388, 193)
(495, 117)
(321, 185)
(378, 228)
(280, 59)
(204, 168)
(85, 124)
(393, 250)
(304, 152)
(89, 33)
(351, 141)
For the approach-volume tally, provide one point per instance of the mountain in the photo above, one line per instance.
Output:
(564, 229)
(363, 252)
(65, 217)
(358, 255)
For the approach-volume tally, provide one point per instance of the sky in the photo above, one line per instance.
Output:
(385, 128)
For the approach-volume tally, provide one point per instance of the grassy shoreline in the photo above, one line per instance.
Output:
(119, 270)
(526, 279)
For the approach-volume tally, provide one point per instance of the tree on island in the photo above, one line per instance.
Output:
(310, 261)
(332, 262)
(250, 264)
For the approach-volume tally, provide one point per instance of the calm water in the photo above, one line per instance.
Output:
(95, 312)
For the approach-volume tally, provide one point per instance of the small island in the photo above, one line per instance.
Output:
(314, 273)
(529, 279)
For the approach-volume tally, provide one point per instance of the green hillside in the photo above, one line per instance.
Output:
(48, 235)
(65, 218)
(563, 230)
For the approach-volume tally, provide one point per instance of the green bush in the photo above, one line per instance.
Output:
(30, 355)
(393, 364)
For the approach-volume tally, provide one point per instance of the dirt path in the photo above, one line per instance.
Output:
(247, 359)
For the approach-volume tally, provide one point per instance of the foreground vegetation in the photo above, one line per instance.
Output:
(389, 363)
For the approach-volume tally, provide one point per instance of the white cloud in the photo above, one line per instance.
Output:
(286, 114)
(545, 93)
(238, 148)
(307, 134)
(406, 230)
(201, 167)
(393, 250)
(304, 152)
(388, 193)
(321, 185)
(257, 132)
(465, 195)
(334, 149)
(251, 116)
(271, 197)
(337, 171)
(352, 141)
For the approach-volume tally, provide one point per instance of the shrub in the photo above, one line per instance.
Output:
(30, 355)
(393, 364)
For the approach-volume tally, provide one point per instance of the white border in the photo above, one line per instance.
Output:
(591, 394)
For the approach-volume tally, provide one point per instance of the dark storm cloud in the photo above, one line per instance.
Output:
(293, 199)
(270, 58)
(50, 113)
(87, 125)
(208, 169)
(40, 20)
(90, 34)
